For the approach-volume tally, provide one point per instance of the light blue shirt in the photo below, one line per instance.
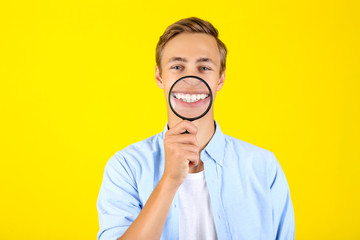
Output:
(249, 194)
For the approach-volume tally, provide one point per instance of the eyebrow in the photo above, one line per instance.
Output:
(180, 59)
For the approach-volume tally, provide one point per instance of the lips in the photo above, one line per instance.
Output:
(190, 97)
(190, 105)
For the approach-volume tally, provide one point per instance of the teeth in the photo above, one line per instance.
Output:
(190, 97)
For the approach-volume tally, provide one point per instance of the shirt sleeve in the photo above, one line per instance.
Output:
(118, 201)
(282, 208)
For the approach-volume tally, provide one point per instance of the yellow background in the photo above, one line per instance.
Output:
(77, 85)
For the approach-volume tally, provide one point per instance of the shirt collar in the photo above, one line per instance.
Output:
(216, 146)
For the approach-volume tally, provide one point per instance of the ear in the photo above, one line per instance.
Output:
(221, 81)
(158, 78)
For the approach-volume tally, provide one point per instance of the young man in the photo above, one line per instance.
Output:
(201, 185)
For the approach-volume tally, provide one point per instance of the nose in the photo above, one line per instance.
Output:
(191, 81)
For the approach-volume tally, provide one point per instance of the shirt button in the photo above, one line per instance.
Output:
(174, 205)
(219, 216)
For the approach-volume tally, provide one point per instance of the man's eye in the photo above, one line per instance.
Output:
(176, 67)
(205, 68)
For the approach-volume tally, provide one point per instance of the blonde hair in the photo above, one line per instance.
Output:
(190, 25)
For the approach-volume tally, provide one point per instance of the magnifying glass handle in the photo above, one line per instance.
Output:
(186, 131)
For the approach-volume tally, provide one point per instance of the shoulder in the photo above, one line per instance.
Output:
(137, 156)
(251, 158)
(143, 148)
(245, 149)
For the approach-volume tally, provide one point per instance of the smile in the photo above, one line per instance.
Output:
(190, 98)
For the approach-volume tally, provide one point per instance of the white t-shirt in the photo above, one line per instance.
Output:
(196, 220)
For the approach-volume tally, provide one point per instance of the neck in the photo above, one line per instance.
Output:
(205, 125)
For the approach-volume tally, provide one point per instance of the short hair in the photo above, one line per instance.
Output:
(190, 25)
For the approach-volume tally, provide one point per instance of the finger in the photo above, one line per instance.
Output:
(182, 127)
(182, 139)
(189, 148)
(194, 158)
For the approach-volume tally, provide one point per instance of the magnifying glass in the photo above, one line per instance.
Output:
(190, 98)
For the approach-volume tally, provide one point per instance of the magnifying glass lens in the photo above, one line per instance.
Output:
(190, 98)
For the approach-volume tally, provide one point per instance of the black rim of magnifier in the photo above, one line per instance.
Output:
(206, 111)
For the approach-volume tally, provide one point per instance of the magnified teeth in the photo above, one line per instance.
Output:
(190, 97)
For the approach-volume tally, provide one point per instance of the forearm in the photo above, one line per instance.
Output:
(151, 220)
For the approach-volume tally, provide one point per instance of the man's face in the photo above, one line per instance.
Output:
(190, 54)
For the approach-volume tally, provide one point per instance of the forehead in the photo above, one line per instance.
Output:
(191, 46)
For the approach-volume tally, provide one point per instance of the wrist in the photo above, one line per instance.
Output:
(169, 183)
